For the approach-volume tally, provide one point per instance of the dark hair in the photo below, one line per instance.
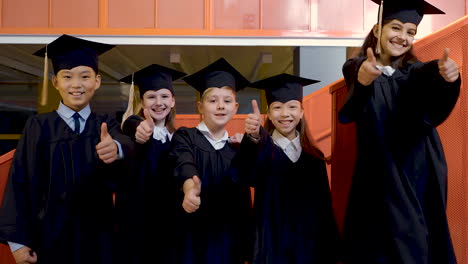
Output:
(396, 62)
(307, 144)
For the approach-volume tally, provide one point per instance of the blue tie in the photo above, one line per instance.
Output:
(76, 117)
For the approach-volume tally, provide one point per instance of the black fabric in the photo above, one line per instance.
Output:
(396, 208)
(407, 11)
(218, 74)
(146, 203)
(68, 52)
(283, 87)
(218, 231)
(58, 199)
(294, 221)
(154, 77)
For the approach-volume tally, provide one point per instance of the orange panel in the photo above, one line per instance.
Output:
(341, 15)
(237, 14)
(180, 14)
(286, 14)
(72, 13)
(25, 13)
(131, 14)
(5, 254)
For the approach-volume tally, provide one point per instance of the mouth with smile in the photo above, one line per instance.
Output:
(76, 94)
(285, 123)
(159, 110)
(398, 45)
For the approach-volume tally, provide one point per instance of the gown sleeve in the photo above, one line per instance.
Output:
(358, 94)
(182, 155)
(17, 210)
(130, 126)
(433, 97)
(125, 141)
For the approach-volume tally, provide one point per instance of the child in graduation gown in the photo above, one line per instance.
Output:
(58, 202)
(213, 223)
(147, 199)
(397, 204)
(294, 221)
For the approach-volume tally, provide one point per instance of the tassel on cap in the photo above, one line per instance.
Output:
(131, 96)
(378, 48)
(45, 81)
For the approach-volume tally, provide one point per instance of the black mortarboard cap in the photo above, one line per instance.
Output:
(218, 74)
(67, 52)
(154, 77)
(407, 11)
(283, 87)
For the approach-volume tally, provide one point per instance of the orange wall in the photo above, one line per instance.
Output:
(281, 18)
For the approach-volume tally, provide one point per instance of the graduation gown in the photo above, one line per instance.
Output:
(294, 221)
(397, 204)
(146, 202)
(58, 199)
(217, 232)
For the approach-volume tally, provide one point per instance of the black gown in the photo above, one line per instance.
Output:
(58, 199)
(146, 203)
(397, 204)
(294, 221)
(217, 232)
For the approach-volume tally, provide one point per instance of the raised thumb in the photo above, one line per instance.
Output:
(370, 56)
(147, 115)
(255, 108)
(104, 132)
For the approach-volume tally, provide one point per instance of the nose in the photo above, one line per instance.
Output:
(284, 111)
(76, 83)
(220, 105)
(158, 101)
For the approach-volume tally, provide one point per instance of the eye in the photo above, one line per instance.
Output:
(411, 33)
(227, 101)
(165, 96)
(86, 77)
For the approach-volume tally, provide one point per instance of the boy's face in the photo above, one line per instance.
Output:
(218, 106)
(77, 86)
(286, 116)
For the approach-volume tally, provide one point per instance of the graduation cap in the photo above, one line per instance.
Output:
(218, 74)
(283, 87)
(67, 52)
(407, 11)
(154, 77)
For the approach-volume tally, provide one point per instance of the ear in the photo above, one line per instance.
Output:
(302, 113)
(172, 102)
(55, 82)
(236, 107)
(200, 107)
(98, 81)
(375, 30)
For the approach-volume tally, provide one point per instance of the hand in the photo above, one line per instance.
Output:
(236, 139)
(253, 121)
(448, 69)
(106, 149)
(368, 71)
(145, 128)
(25, 255)
(192, 190)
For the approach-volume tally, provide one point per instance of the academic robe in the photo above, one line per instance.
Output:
(294, 221)
(397, 204)
(58, 199)
(218, 231)
(146, 202)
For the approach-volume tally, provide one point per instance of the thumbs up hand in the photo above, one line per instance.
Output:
(448, 69)
(107, 148)
(253, 121)
(368, 71)
(145, 128)
(192, 190)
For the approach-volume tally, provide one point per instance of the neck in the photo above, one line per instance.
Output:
(217, 132)
(160, 123)
(384, 60)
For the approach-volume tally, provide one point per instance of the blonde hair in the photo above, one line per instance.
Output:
(207, 92)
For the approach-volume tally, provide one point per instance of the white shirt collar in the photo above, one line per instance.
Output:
(292, 148)
(387, 70)
(67, 112)
(216, 143)
(161, 133)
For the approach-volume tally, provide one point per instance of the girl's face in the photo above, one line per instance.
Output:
(397, 39)
(159, 104)
(286, 116)
(218, 106)
(77, 86)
